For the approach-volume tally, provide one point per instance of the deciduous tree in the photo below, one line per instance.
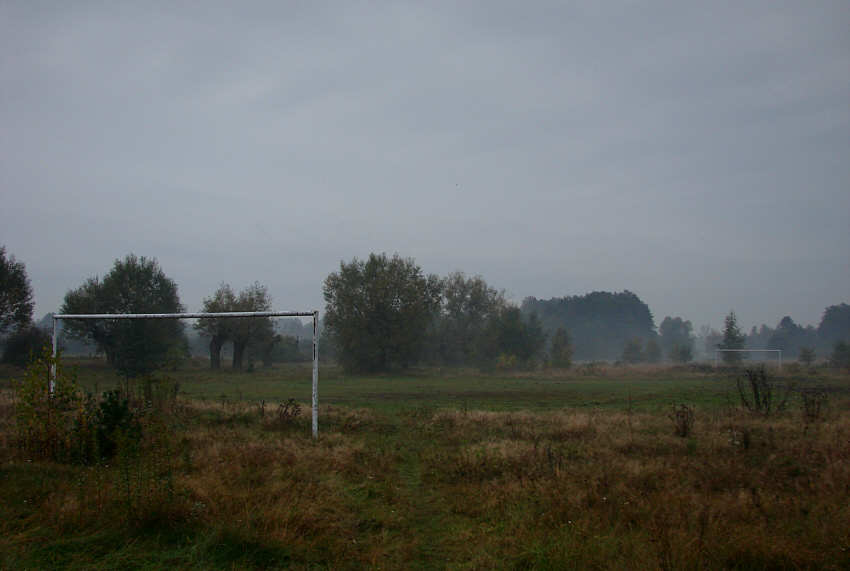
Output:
(682, 353)
(807, 356)
(790, 337)
(27, 342)
(16, 302)
(652, 352)
(251, 329)
(466, 305)
(217, 329)
(377, 312)
(633, 351)
(840, 357)
(600, 323)
(676, 339)
(134, 285)
(834, 326)
(241, 331)
(711, 340)
(561, 350)
(507, 335)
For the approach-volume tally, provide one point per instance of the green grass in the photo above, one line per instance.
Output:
(452, 471)
(606, 387)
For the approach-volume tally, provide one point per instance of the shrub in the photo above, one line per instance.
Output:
(157, 393)
(116, 422)
(506, 362)
(807, 356)
(289, 410)
(174, 357)
(814, 401)
(840, 357)
(683, 419)
(144, 462)
(561, 349)
(633, 352)
(25, 344)
(757, 394)
(54, 422)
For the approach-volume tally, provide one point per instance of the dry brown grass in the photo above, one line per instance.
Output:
(446, 488)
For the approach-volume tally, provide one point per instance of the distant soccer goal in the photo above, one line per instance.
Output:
(768, 352)
(229, 314)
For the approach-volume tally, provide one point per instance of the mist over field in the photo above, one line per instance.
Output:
(696, 154)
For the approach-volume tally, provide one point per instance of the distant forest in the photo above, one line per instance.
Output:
(600, 325)
(384, 313)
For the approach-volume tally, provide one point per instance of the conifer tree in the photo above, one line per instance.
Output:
(733, 340)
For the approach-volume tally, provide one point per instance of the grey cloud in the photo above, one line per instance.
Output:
(693, 154)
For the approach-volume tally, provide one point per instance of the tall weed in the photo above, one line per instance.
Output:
(145, 469)
(683, 420)
(757, 393)
(55, 421)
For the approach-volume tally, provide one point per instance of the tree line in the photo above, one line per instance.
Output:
(829, 340)
(383, 314)
(140, 346)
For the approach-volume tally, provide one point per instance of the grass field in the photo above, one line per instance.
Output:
(655, 387)
(575, 470)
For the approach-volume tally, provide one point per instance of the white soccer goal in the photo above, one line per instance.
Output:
(777, 351)
(229, 314)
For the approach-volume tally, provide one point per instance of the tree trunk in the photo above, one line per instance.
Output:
(238, 351)
(215, 352)
(267, 351)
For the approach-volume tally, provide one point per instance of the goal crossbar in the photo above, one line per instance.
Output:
(215, 315)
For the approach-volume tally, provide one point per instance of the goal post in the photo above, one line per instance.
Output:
(777, 351)
(229, 314)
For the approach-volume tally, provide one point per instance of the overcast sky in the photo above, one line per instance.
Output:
(695, 153)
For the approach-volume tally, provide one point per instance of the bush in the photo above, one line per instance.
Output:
(289, 410)
(157, 394)
(757, 394)
(506, 362)
(25, 344)
(54, 422)
(65, 424)
(633, 352)
(840, 358)
(807, 356)
(683, 419)
(814, 402)
(561, 350)
(116, 422)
